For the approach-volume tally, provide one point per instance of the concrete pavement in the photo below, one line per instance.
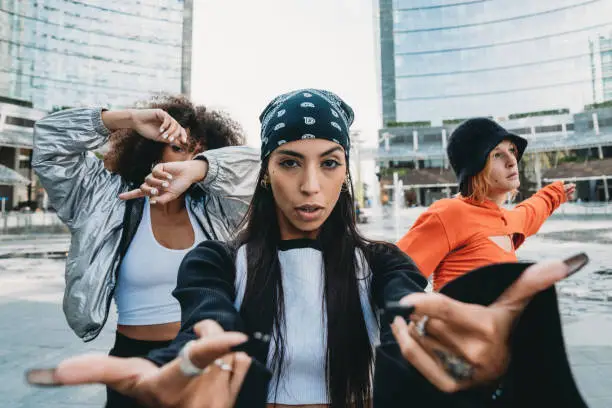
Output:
(33, 332)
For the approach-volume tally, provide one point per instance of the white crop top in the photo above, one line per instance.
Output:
(147, 277)
(303, 379)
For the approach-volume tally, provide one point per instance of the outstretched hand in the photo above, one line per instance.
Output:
(164, 386)
(464, 345)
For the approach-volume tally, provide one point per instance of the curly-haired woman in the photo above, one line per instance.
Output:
(174, 176)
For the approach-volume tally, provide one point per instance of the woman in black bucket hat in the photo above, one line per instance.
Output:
(474, 229)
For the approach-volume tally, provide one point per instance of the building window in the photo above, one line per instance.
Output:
(546, 129)
(15, 121)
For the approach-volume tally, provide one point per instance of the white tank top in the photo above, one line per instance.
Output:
(147, 276)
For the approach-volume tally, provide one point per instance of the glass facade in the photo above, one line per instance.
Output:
(601, 61)
(95, 52)
(456, 59)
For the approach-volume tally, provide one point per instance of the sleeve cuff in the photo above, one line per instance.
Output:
(213, 168)
(98, 124)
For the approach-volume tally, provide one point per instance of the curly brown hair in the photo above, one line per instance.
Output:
(132, 155)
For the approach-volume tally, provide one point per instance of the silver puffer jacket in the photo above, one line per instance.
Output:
(84, 194)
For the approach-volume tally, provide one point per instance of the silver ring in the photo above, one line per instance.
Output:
(420, 326)
(186, 365)
(455, 366)
(223, 365)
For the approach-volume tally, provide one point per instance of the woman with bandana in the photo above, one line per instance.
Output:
(301, 272)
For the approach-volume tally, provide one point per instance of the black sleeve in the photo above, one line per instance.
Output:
(205, 290)
(395, 275)
(396, 382)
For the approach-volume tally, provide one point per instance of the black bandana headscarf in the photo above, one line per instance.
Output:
(305, 114)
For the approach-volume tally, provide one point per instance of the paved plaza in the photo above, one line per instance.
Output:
(33, 332)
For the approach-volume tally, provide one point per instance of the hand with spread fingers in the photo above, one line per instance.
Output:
(168, 181)
(457, 345)
(206, 373)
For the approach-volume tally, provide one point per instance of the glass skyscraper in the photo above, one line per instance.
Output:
(91, 52)
(450, 59)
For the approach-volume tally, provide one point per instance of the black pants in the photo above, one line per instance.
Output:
(127, 347)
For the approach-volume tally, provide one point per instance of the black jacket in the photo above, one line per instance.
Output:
(206, 290)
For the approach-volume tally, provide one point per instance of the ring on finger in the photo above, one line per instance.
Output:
(455, 366)
(420, 326)
(223, 365)
(186, 365)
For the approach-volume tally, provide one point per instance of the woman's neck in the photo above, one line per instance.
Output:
(498, 198)
(170, 209)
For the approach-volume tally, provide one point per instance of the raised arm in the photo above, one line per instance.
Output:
(232, 172)
(534, 211)
(74, 178)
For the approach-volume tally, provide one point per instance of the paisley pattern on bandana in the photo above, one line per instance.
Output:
(305, 114)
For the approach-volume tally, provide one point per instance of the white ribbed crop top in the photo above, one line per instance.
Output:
(147, 277)
(303, 381)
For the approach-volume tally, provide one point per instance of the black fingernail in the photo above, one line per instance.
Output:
(44, 377)
(393, 309)
(576, 262)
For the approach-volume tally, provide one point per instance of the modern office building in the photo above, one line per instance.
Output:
(527, 64)
(69, 53)
(73, 53)
(601, 67)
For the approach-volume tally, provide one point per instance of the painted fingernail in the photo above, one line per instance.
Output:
(405, 302)
(154, 191)
(172, 139)
(169, 176)
(165, 184)
(576, 262)
(42, 376)
(161, 129)
(153, 201)
(165, 135)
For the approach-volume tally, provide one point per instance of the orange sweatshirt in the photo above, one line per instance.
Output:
(453, 236)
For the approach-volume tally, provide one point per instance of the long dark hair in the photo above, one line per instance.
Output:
(349, 355)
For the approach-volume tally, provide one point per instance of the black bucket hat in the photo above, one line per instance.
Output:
(539, 373)
(470, 144)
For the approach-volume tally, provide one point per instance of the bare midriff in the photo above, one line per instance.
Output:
(151, 332)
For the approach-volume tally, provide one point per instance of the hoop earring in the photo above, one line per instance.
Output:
(265, 182)
(345, 186)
